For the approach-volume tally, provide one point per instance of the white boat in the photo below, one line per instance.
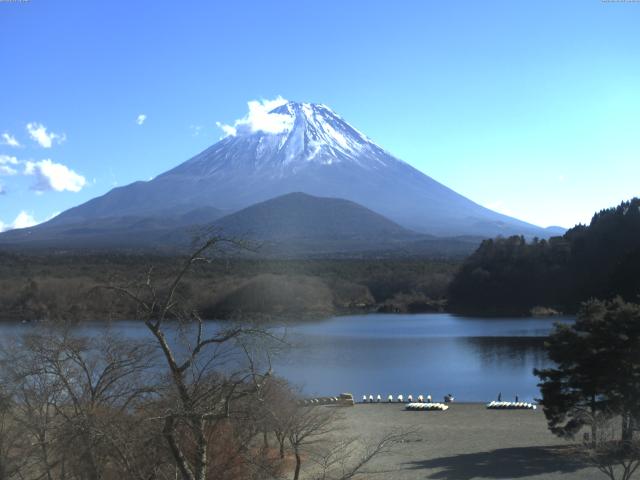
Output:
(495, 405)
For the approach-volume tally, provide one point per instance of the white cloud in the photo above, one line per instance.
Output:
(8, 160)
(8, 139)
(500, 207)
(7, 170)
(23, 220)
(38, 132)
(141, 118)
(227, 129)
(259, 119)
(5, 165)
(197, 129)
(54, 176)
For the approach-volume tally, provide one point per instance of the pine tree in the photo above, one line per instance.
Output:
(597, 370)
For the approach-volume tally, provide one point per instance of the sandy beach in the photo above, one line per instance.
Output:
(467, 442)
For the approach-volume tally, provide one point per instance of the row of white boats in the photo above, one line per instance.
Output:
(344, 399)
(426, 403)
(511, 405)
(491, 405)
(399, 399)
(421, 403)
(427, 406)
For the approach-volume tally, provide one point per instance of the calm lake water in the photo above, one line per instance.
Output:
(472, 358)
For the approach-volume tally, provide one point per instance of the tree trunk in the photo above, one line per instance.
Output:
(296, 474)
(63, 470)
(88, 458)
(627, 431)
(91, 469)
(281, 439)
(181, 462)
(201, 449)
(594, 422)
(45, 453)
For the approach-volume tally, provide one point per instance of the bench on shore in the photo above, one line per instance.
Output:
(510, 405)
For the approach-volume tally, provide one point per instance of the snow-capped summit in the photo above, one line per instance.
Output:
(296, 134)
(319, 134)
(300, 147)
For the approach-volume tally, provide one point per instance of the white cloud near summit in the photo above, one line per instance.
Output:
(228, 130)
(141, 118)
(23, 220)
(54, 176)
(39, 134)
(259, 119)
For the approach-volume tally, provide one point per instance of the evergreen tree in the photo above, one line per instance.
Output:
(511, 275)
(597, 370)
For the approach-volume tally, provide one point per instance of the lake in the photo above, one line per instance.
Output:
(472, 358)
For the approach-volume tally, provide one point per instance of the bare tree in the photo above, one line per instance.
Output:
(616, 457)
(205, 374)
(307, 427)
(348, 458)
(196, 401)
(35, 396)
(74, 397)
(277, 412)
(12, 464)
(314, 432)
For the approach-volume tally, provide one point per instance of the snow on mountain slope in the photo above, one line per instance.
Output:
(308, 148)
(315, 135)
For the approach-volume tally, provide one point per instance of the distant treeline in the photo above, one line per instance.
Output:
(63, 286)
(513, 276)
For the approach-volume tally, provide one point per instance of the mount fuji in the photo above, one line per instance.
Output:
(305, 148)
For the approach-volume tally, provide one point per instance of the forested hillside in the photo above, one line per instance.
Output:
(63, 286)
(511, 275)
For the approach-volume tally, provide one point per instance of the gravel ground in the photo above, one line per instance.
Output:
(467, 442)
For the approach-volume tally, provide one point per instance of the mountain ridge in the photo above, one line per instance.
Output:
(314, 151)
(294, 225)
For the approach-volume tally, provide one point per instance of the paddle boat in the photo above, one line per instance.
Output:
(440, 407)
(494, 405)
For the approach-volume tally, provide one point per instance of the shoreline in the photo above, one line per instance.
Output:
(467, 441)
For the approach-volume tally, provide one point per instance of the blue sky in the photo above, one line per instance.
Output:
(530, 108)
